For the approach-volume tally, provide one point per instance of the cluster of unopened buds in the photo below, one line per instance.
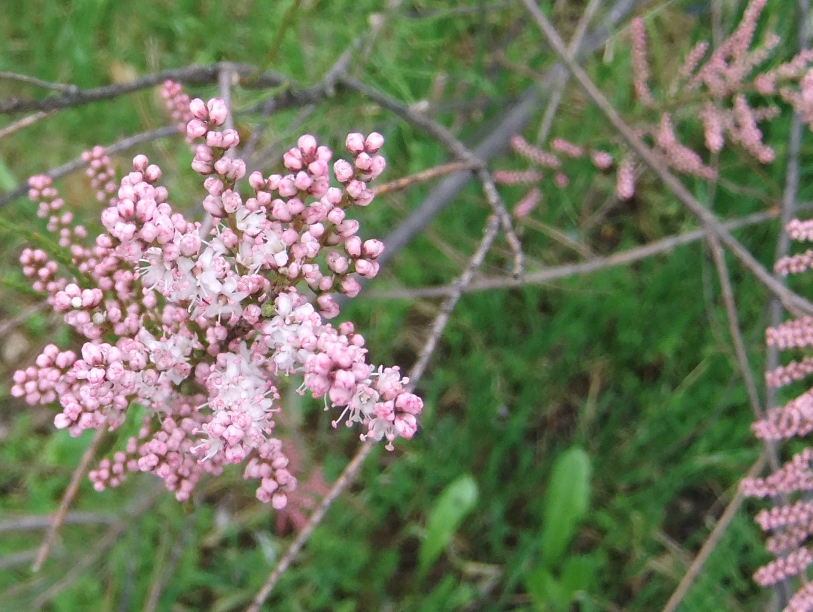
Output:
(193, 330)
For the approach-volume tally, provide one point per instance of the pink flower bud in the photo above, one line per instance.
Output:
(140, 162)
(343, 171)
(373, 248)
(353, 246)
(307, 145)
(256, 181)
(373, 142)
(350, 286)
(198, 109)
(354, 143)
(293, 159)
(217, 111)
(196, 128)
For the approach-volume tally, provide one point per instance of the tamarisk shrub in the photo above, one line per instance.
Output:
(791, 522)
(198, 328)
(728, 89)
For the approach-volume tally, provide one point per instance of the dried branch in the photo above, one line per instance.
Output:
(351, 471)
(456, 148)
(110, 538)
(67, 498)
(24, 78)
(419, 177)
(710, 543)
(547, 275)
(78, 163)
(562, 75)
(27, 523)
(23, 123)
(791, 300)
(497, 141)
(191, 75)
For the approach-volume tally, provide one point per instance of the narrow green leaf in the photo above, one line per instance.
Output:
(544, 590)
(455, 502)
(566, 501)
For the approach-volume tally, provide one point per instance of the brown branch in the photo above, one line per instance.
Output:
(78, 163)
(110, 538)
(791, 300)
(710, 543)
(419, 177)
(541, 277)
(456, 148)
(24, 78)
(190, 75)
(27, 523)
(351, 471)
(70, 493)
(23, 123)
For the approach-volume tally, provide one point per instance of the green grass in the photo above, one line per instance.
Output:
(633, 364)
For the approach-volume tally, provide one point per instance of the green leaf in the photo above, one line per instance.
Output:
(455, 502)
(7, 182)
(544, 590)
(566, 501)
(577, 575)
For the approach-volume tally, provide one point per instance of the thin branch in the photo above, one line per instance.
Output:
(563, 75)
(718, 255)
(419, 177)
(9, 324)
(67, 498)
(78, 163)
(24, 78)
(710, 543)
(497, 141)
(161, 577)
(351, 471)
(190, 75)
(24, 123)
(27, 523)
(547, 275)
(791, 300)
(456, 148)
(110, 538)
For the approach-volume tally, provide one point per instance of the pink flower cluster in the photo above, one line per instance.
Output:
(195, 330)
(791, 523)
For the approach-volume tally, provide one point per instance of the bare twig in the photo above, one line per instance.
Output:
(419, 177)
(791, 300)
(547, 275)
(456, 148)
(109, 539)
(67, 498)
(20, 318)
(708, 546)
(27, 523)
(192, 75)
(346, 478)
(718, 255)
(562, 74)
(23, 123)
(24, 78)
(497, 141)
(351, 471)
(76, 164)
(162, 576)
